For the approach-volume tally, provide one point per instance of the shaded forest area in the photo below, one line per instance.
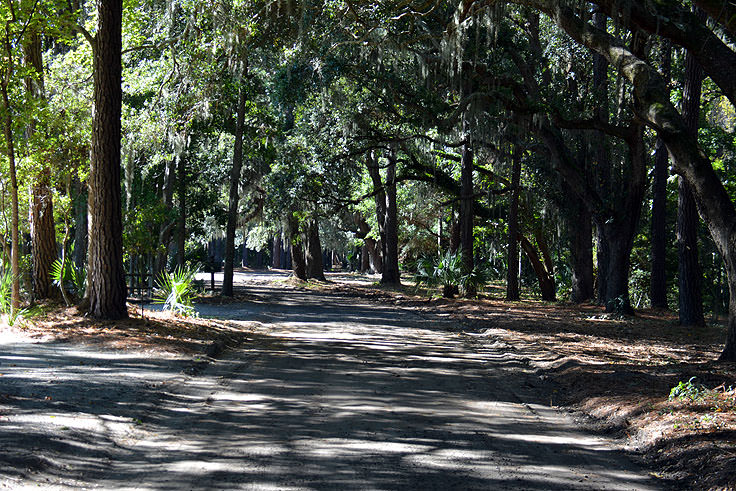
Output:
(578, 151)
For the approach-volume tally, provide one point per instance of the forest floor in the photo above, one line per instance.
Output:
(84, 403)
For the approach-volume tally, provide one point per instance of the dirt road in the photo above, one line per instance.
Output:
(328, 392)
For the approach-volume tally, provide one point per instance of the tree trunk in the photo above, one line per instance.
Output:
(454, 232)
(167, 229)
(690, 275)
(617, 296)
(544, 275)
(80, 224)
(43, 234)
(391, 275)
(619, 230)
(658, 281)
(298, 262)
(512, 256)
(380, 200)
(371, 255)
(466, 211)
(314, 252)
(106, 276)
(581, 233)
(276, 252)
(365, 264)
(601, 163)
(181, 231)
(10, 153)
(652, 105)
(232, 209)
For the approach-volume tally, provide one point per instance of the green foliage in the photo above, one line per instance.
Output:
(70, 277)
(687, 391)
(446, 270)
(175, 291)
(6, 286)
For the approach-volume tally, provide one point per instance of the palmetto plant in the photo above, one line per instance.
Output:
(446, 270)
(67, 274)
(6, 285)
(175, 291)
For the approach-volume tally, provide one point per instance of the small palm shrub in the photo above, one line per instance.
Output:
(67, 276)
(6, 289)
(446, 270)
(175, 291)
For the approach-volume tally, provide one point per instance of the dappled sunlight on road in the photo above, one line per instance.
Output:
(329, 393)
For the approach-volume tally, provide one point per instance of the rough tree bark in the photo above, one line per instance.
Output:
(385, 198)
(580, 226)
(601, 167)
(43, 235)
(298, 262)
(10, 153)
(512, 255)
(690, 274)
(466, 209)
(391, 273)
(658, 282)
(542, 268)
(232, 209)
(315, 267)
(371, 260)
(106, 276)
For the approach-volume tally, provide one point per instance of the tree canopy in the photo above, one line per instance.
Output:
(523, 143)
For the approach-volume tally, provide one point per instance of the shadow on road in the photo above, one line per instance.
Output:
(327, 393)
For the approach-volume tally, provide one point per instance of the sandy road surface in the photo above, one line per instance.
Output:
(329, 392)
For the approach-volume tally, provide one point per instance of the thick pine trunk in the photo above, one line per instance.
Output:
(658, 282)
(512, 254)
(107, 291)
(466, 211)
(315, 267)
(690, 275)
(391, 273)
(232, 209)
